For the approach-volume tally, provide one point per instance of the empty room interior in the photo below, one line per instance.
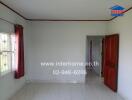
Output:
(65, 49)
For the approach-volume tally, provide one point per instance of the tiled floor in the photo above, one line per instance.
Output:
(92, 90)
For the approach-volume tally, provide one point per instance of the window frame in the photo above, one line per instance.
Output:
(10, 63)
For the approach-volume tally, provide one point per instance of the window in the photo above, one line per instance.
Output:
(7, 53)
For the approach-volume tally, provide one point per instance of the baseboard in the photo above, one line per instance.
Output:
(55, 81)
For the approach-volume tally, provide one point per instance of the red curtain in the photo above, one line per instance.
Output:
(19, 71)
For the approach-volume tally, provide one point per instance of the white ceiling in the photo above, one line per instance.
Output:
(66, 9)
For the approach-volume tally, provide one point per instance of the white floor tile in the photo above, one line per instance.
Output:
(94, 89)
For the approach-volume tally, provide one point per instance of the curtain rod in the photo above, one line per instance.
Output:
(7, 21)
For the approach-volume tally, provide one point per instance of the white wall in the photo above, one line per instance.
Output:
(8, 85)
(123, 26)
(59, 41)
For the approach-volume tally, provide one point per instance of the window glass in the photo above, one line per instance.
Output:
(7, 53)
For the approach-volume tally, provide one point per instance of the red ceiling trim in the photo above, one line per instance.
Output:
(55, 19)
(61, 20)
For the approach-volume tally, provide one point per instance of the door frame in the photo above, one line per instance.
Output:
(102, 54)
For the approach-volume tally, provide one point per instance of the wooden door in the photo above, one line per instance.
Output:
(111, 43)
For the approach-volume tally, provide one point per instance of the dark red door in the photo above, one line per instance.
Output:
(111, 43)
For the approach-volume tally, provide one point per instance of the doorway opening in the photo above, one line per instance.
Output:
(94, 55)
(102, 54)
